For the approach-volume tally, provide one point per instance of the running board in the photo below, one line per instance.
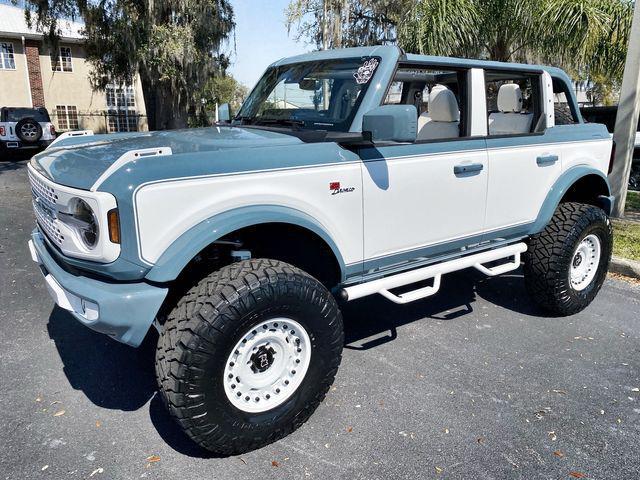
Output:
(383, 286)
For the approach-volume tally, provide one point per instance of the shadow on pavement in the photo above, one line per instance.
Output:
(112, 375)
(115, 376)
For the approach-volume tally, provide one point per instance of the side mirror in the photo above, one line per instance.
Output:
(391, 123)
(224, 113)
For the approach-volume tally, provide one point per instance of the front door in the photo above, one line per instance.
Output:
(427, 199)
(422, 200)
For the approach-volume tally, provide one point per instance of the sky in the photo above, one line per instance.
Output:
(261, 38)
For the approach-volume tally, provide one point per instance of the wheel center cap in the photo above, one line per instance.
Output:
(577, 260)
(262, 359)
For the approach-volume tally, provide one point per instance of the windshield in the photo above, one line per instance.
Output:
(320, 95)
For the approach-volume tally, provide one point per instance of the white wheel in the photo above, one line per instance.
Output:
(267, 365)
(584, 264)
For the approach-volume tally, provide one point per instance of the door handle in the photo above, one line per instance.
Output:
(546, 160)
(467, 168)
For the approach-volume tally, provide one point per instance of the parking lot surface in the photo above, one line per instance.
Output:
(472, 383)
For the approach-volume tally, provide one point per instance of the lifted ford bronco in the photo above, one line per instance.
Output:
(346, 173)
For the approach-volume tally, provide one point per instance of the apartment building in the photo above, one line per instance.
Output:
(32, 75)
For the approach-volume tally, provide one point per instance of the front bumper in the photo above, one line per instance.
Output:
(124, 311)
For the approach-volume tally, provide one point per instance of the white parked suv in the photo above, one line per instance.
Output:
(346, 173)
(25, 128)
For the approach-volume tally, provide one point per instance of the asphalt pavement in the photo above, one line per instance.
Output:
(473, 383)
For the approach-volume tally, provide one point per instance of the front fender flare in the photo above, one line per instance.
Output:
(559, 189)
(176, 257)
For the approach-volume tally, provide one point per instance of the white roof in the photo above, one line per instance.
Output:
(13, 24)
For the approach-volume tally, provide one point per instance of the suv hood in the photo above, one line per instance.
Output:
(79, 161)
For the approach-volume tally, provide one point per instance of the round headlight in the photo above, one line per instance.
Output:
(86, 223)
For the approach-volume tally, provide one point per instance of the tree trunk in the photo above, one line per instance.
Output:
(164, 111)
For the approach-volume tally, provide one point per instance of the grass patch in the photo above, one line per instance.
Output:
(626, 239)
(633, 202)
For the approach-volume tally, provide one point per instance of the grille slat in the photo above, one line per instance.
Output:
(45, 207)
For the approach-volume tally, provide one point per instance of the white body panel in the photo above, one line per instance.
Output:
(517, 184)
(10, 132)
(164, 211)
(417, 201)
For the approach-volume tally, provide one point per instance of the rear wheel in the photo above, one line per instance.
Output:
(247, 355)
(566, 264)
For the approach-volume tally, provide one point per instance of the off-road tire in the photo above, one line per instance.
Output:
(206, 323)
(547, 261)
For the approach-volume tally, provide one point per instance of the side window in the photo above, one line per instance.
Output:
(513, 102)
(439, 97)
(561, 106)
(61, 62)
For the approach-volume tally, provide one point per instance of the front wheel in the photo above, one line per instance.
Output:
(566, 264)
(247, 355)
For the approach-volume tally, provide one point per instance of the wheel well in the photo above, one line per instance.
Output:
(279, 241)
(587, 189)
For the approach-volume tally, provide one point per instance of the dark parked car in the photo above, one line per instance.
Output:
(607, 116)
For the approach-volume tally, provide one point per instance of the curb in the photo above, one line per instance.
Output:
(623, 266)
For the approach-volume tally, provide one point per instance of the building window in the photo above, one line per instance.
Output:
(67, 116)
(7, 61)
(62, 61)
(121, 109)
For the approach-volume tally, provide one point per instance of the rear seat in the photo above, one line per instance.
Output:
(510, 119)
(443, 118)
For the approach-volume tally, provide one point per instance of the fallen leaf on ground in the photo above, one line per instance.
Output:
(558, 453)
(153, 458)
(577, 475)
(59, 413)
(44, 468)
(242, 460)
(39, 398)
(446, 430)
(274, 463)
(349, 429)
(480, 440)
(438, 470)
(96, 471)
(552, 436)
(55, 402)
(98, 423)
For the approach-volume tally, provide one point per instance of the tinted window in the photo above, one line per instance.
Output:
(17, 114)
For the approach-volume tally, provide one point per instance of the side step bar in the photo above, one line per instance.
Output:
(384, 285)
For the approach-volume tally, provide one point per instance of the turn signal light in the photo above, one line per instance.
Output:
(52, 130)
(3, 132)
(114, 225)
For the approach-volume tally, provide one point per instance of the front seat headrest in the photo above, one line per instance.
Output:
(443, 106)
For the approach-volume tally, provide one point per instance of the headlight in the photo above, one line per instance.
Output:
(83, 220)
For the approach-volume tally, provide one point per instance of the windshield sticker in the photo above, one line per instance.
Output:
(365, 71)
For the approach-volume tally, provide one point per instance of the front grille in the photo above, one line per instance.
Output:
(44, 200)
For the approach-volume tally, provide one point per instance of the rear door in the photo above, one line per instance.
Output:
(523, 166)
(427, 198)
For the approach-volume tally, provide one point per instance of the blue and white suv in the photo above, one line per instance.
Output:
(346, 173)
